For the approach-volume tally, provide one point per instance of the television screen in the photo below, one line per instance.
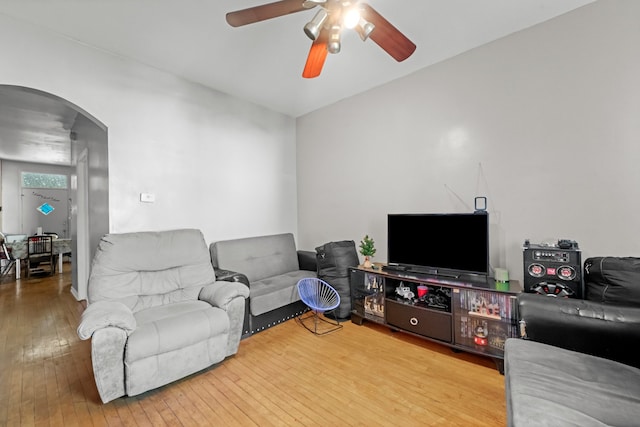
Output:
(436, 242)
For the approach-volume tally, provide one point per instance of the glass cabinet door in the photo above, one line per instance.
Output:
(367, 295)
(484, 320)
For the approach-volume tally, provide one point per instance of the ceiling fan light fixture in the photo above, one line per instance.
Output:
(310, 4)
(313, 27)
(333, 46)
(326, 27)
(364, 28)
(351, 18)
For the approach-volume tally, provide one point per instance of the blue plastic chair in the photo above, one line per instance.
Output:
(320, 297)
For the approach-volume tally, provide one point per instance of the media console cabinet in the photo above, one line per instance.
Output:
(464, 313)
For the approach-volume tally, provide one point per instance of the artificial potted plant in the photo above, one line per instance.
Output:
(367, 249)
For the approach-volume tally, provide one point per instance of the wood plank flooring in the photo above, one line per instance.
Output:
(358, 376)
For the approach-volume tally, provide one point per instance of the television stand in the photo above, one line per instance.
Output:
(471, 314)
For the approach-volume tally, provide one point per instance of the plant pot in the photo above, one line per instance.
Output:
(367, 262)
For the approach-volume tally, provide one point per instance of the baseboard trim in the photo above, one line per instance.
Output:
(74, 292)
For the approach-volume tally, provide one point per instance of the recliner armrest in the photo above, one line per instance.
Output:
(590, 327)
(230, 276)
(105, 314)
(307, 260)
(222, 292)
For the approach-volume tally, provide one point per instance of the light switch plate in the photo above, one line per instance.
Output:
(147, 197)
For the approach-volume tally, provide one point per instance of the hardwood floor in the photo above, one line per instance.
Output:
(286, 376)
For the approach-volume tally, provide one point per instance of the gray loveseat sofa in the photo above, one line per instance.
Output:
(271, 266)
(577, 364)
(156, 312)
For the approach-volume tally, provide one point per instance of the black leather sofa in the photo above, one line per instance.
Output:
(577, 362)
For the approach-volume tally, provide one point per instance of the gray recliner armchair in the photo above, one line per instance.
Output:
(156, 312)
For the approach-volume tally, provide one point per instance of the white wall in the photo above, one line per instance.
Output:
(212, 161)
(545, 123)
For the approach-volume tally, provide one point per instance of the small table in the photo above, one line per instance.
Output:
(19, 252)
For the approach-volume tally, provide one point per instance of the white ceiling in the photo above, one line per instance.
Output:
(263, 62)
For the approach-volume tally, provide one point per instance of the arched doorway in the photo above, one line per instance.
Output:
(40, 127)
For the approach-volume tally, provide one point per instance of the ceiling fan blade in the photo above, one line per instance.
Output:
(388, 37)
(264, 12)
(317, 56)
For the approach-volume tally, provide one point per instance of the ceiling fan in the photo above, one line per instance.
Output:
(326, 27)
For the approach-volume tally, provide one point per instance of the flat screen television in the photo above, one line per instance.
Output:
(447, 244)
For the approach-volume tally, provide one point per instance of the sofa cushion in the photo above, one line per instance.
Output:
(148, 269)
(547, 385)
(275, 292)
(613, 280)
(169, 327)
(257, 258)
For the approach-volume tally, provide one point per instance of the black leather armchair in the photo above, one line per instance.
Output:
(576, 363)
(599, 329)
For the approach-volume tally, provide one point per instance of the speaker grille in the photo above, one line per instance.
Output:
(553, 271)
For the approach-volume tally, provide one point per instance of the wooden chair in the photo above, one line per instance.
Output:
(40, 255)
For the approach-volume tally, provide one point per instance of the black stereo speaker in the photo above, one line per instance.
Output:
(553, 270)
